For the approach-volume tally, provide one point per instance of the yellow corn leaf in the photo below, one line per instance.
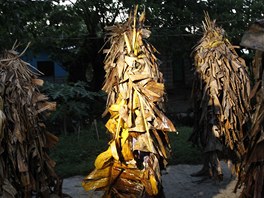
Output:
(114, 107)
(114, 152)
(127, 173)
(99, 173)
(154, 185)
(127, 43)
(129, 188)
(124, 167)
(92, 185)
(103, 159)
(111, 125)
(127, 151)
(215, 44)
(114, 114)
(124, 136)
(146, 182)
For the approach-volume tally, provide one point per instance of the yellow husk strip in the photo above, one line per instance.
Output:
(135, 90)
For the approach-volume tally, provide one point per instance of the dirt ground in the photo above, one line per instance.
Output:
(177, 183)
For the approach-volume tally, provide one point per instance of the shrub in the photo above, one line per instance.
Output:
(76, 105)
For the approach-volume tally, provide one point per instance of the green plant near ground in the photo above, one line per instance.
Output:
(183, 152)
(75, 155)
(76, 105)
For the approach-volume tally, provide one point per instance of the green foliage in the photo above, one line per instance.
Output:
(75, 155)
(76, 105)
(24, 21)
(183, 152)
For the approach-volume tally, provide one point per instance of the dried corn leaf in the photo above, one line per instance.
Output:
(26, 169)
(252, 168)
(220, 92)
(99, 173)
(95, 184)
(38, 82)
(103, 159)
(135, 94)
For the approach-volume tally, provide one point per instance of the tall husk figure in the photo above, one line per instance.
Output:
(26, 170)
(139, 148)
(221, 100)
(251, 177)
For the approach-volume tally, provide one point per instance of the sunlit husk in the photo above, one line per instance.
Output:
(139, 128)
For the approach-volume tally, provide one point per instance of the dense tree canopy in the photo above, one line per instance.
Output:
(74, 32)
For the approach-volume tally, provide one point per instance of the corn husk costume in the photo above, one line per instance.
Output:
(252, 171)
(26, 170)
(251, 176)
(221, 100)
(131, 166)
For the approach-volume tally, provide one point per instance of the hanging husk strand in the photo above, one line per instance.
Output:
(139, 149)
(221, 95)
(252, 171)
(26, 170)
(251, 177)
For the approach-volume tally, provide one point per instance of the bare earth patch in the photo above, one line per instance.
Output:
(177, 183)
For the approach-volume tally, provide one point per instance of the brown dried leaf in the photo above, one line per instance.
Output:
(37, 81)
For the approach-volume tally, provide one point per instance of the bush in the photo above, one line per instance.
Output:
(75, 155)
(76, 105)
